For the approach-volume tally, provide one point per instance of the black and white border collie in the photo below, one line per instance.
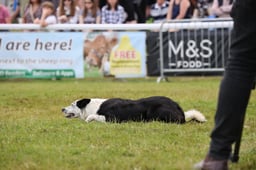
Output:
(156, 108)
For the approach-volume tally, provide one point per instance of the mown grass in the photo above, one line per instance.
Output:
(35, 135)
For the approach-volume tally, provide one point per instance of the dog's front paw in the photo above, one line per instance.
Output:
(97, 118)
(90, 118)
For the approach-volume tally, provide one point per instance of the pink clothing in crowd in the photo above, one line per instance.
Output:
(4, 15)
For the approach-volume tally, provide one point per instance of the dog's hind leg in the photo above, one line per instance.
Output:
(98, 118)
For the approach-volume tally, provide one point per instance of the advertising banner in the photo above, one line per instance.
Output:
(128, 58)
(189, 51)
(198, 49)
(119, 54)
(41, 55)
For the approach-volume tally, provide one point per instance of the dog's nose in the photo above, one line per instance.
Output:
(63, 109)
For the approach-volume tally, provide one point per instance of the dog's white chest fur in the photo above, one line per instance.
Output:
(91, 108)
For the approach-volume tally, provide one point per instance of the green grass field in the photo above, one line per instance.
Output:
(35, 135)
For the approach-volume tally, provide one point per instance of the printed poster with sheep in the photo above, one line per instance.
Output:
(119, 54)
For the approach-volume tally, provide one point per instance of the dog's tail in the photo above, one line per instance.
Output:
(194, 115)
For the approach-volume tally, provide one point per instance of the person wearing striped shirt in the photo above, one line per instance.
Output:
(159, 10)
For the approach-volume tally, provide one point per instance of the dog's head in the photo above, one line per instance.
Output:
(82, 108)
(75, 109)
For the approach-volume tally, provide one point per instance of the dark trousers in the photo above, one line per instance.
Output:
(237, 82)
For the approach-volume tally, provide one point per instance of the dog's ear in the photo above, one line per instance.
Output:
(82, 103)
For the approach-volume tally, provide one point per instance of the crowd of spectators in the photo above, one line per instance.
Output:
(45, 12)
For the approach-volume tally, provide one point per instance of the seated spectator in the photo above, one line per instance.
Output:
(48, 16)
(201, 9)
(32, 11)
(5, 17)
(140, 10)
(55, 2)
(148, 18)
(112, 13)
(68, 12)
(221, 8)
(14, 9)
(80, 4)
(91, 13)
(158, 11)
(179, 9)
(129, 10)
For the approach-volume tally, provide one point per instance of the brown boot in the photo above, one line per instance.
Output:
(212, 164)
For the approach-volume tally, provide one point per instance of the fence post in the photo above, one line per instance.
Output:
(161, 54)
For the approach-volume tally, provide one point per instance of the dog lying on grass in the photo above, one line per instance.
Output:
(156, 108)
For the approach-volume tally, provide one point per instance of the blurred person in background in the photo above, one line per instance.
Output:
(128, 8)
(48, 15)
(221, 8)
(201, 8)
(33, 10)
(5, 17)
(179, 9)
(158, 11)
(80, 4)
(90, 14)
(148, 18)
(67, 12)
(140, 10)
(113, 13)
(14, 8)
(55, 3)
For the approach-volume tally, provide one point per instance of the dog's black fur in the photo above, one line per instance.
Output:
(146, 109)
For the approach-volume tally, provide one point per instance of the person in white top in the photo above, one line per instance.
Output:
(68, 12)
(90, 13)
(48, 16)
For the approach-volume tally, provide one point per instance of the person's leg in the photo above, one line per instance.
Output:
(233, 99)
(237, 82)
(236, 85)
